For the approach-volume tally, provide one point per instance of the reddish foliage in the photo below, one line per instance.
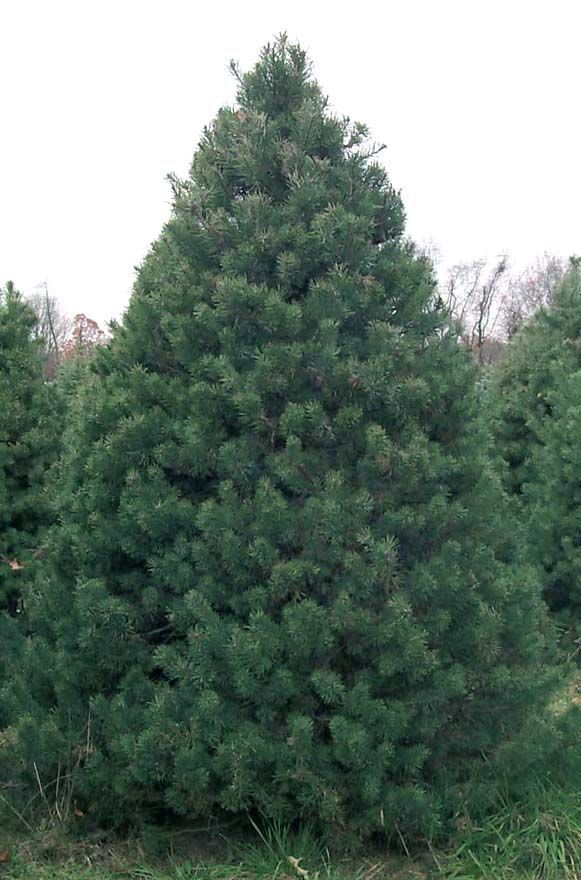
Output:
(85, 335)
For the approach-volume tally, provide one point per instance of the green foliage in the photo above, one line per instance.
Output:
(280, 849)
(28, 431)
(281, 582)
(552, 502)
(281, 854)
(536, 402)
(544, 351)
(538, 839)
(22, 443)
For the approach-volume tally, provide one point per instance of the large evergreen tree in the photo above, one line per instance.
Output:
(281, 582)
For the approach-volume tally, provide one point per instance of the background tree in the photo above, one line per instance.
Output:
(534, 401)
(28, 445)
(475, 295)
(490, 303)
(23, 413)
(62, 338)
(552, 503)
(280, 581)
(531, 291)
(83, 338)
(52, 328)
(535, 406)
(541, 354)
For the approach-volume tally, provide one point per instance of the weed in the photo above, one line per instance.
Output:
(537, 840)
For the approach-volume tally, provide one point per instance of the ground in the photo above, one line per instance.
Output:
(60, 858)
(539, 839)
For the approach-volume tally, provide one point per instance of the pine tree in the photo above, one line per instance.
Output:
(22, 445)
(552, 501)
(535, 400)
(281, 582)
(27, 446)
(543, 352)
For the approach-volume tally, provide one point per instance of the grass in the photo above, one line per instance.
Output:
(274, 853)
(536, 840)
(539, 839)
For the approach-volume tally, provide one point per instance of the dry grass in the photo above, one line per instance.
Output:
(271, 856)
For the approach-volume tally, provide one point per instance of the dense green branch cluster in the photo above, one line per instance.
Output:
(24, 444)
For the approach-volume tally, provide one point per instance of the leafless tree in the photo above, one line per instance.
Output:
(53, 325)
(531, 290)
(474, 294)
(489, 303)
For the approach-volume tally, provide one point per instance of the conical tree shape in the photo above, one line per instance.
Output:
(535, 400)
(545, 351)
(275, 585)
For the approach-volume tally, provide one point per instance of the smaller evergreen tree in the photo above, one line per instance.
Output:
(547, 348)
(22, 443)
(553, 499)
(28, 428)
(536, 400)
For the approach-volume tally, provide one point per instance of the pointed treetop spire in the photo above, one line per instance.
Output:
(280, 82)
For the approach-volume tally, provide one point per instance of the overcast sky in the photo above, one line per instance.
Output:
(478, 103)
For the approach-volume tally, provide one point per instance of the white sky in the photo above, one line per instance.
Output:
(477, 100)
